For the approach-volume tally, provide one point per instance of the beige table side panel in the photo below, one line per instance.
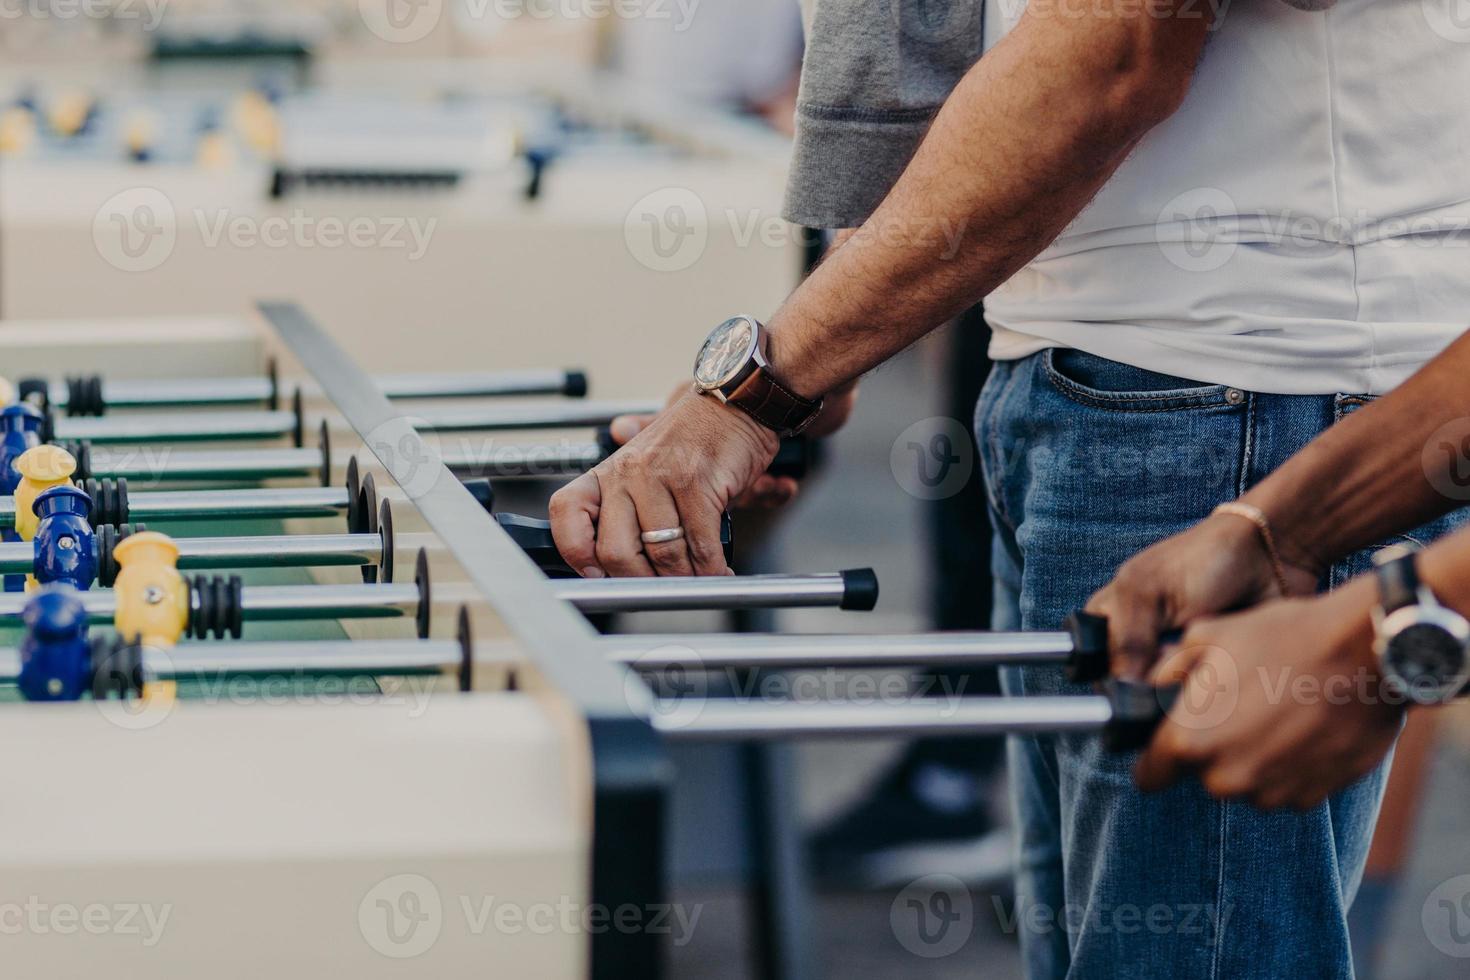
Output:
(131, 347)
(251, 841)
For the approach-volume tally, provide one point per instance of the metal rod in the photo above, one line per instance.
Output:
(483, 384)
(263, 551)
(155, 393)
(514, 462)
(319, 658)
(154, 464)
(268, 603)
(150, 463)
(714, 592)
(556, 415)
(724, 720)
(237, 504)
(200, 392)
(268, 502)
(289, 603)
(177, 427)
(714, 652)
(284, 550)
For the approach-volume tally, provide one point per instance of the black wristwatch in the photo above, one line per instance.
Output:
(1423, 646)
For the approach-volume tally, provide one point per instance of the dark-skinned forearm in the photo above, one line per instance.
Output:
(1024, 142)
(1365, 478)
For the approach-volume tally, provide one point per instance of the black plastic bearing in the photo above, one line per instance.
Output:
(84, 395)
(109, 500)
(426, 605)
(217, 606)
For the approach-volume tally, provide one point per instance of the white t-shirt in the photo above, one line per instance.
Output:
(1300, 226)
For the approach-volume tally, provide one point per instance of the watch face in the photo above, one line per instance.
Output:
(726, 351)
(1426, 661)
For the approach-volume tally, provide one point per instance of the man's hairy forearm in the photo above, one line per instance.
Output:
(1376, 473)
(1023, 143)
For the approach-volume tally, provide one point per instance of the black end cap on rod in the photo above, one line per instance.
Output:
(575, 385)
(1137, 710)
(1089, 660)
(859, 589)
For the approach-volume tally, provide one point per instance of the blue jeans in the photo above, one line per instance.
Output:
(1087, 462)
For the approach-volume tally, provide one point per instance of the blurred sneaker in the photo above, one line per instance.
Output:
(922, 818)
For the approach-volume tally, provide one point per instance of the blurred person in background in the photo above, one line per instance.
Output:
(741, 54)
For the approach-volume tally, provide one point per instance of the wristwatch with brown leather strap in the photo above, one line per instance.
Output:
(732, 367)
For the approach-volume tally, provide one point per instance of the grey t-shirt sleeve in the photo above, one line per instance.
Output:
(875, 73)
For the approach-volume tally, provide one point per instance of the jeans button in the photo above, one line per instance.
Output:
(1234, 396)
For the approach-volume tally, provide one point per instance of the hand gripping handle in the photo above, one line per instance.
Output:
(534, 537)
(1138, 708)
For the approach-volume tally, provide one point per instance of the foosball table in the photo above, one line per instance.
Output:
(294, 693)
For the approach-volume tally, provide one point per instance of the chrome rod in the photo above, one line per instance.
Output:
(514, 462)
(148, 465)
(283, 550)
(554, 415)
(787, 650)
(730, 720)
(277, 603)
(17, 557)
(239, 504)
(252, 659)
(714, 592)
(177, 427)
(319, 657)
(483, 384)
(267, 603)
(274, 502)
(178, 392)
(159, 463)
(200, 392)
(263, 551)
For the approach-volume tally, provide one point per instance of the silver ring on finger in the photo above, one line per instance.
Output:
(663, 535)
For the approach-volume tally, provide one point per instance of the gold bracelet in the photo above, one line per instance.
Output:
(1268, 540)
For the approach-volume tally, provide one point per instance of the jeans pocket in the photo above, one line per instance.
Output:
(1097, 382)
